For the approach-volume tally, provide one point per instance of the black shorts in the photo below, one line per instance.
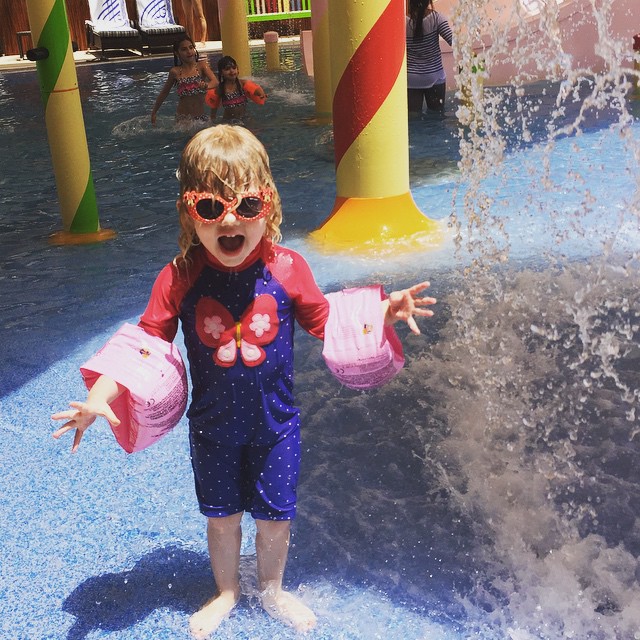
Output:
(433, 96)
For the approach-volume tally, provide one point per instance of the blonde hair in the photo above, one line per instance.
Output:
(221, 159)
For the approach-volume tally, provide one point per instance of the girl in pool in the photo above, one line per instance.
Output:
(237, 294)
(192, 78)
(233, 93)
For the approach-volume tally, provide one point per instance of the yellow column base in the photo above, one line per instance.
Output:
(67, 238)
(363, 224)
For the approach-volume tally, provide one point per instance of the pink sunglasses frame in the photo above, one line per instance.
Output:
(191, 199)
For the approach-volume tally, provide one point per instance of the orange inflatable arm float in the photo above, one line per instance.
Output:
(254, 91)
(212, 98)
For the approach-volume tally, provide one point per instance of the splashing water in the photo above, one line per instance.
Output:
(536, 371)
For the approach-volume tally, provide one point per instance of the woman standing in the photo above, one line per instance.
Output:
(194, 20)
(426, 79)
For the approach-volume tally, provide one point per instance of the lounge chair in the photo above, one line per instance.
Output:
(157, 24)
(110, 27)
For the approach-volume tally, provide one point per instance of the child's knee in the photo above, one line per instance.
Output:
(224, 525)
(273, 529)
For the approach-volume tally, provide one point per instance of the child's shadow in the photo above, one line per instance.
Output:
(170, 577)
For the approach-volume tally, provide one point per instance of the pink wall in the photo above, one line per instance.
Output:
(578, 35)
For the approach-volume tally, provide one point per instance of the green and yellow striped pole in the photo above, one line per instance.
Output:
(65, 125)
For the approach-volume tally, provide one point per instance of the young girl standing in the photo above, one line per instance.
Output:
(237, 294)
(192, 78)
(232, 92)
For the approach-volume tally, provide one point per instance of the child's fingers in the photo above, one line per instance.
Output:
(424, 301)
(80, 406)
(62, 430)
(79, 432)
(417, 288)
(111, 417)
(413, 325)
(105, 411)
(63, 415)
(75, 417)
(76, 440)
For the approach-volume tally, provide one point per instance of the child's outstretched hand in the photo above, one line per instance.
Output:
(81, 417)
(83, 414)
(405, 304)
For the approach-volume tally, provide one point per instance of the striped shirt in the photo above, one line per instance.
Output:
(424, 60)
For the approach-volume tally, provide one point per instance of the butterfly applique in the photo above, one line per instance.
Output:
(258, 326)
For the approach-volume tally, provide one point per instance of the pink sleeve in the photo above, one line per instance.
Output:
(160, 318)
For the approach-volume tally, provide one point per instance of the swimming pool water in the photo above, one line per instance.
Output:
(490, 491)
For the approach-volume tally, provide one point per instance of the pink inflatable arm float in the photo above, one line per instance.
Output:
(359, 349)
(156, 385)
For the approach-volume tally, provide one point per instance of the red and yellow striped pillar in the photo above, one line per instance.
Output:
(234, 32)
(371, 135)
(65, 125)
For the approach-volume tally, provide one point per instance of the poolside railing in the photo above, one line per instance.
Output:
(262, 10)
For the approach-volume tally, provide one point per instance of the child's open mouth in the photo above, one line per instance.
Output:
(231, 244)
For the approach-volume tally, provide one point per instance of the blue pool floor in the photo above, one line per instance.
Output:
(101, 544)
(104, 544)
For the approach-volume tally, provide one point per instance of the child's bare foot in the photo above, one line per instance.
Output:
(204, 622)
(286, 608)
